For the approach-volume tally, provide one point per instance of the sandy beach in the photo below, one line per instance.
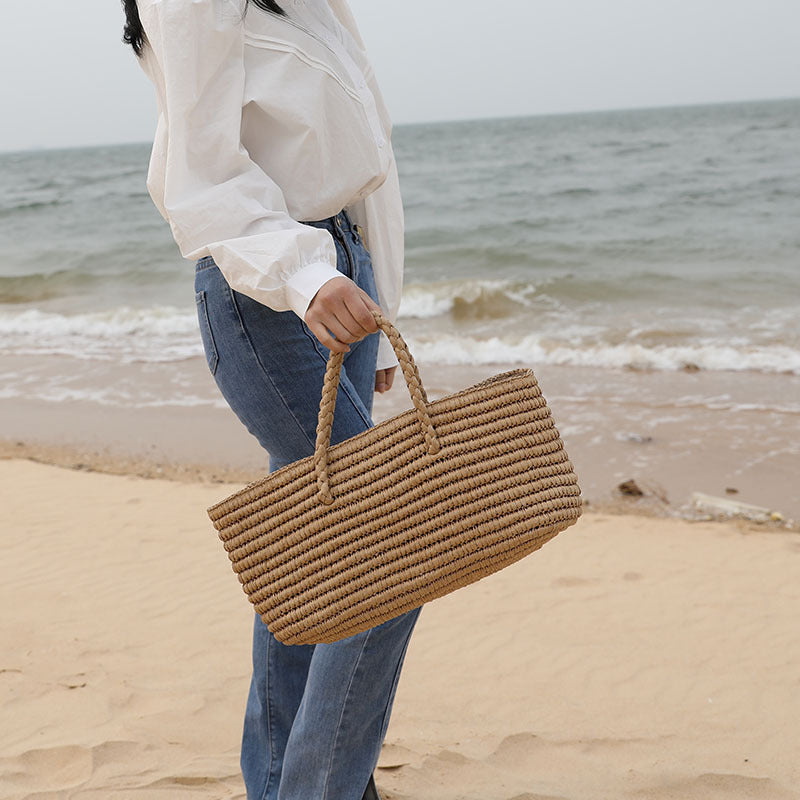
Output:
(632, 657)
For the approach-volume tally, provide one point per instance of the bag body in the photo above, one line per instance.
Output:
(407, 511)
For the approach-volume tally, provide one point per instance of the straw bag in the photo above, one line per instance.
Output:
(421, 504)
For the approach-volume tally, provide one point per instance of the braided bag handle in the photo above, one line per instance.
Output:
(328, 404)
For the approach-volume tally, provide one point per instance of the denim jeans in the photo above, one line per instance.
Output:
(316, 715)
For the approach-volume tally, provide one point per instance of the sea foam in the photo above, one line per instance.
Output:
(162, 333)
(166, 334)
(533, 349)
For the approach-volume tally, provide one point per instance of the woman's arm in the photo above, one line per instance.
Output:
(217, 200)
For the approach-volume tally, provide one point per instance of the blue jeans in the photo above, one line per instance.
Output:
(316, 715)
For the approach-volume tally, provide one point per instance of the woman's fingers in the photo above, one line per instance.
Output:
(325, 337)
(384, 379)
(342, 309)
(343, 331)
(360, 307)
(348, 319)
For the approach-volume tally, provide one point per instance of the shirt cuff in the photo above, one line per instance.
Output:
(386, 356)
(305, 283)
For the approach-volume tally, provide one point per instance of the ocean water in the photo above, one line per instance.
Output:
(661, 239)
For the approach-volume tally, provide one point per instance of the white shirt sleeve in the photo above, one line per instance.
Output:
(217, 200)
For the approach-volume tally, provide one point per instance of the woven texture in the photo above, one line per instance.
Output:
(421, 504)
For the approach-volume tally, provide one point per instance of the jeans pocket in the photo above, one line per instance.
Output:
(205, 332)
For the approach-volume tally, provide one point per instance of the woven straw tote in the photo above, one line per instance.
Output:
(415, 507)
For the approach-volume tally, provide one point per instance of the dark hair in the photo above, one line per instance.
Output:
(134, 35)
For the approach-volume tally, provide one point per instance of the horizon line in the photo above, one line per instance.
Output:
(456, 120)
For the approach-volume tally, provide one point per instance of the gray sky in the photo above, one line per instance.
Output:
(68, 80)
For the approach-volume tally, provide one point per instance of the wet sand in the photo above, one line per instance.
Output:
(673, 433)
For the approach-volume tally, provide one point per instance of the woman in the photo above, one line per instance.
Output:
(273, 166)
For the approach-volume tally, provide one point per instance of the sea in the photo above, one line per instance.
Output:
(658, 240)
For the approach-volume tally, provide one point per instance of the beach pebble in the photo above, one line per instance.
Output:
(630, 488)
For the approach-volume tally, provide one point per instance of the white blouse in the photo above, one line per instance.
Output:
(265, 121)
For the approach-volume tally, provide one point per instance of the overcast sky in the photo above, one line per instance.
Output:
(67, 79)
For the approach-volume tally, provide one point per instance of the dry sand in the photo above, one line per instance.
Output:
(631, 657)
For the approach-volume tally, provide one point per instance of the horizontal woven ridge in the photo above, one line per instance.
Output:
(401, 523)
(418, 570)
(380, 452)
(403, 593)
(280, 484)
(405, 526)
(403, 470)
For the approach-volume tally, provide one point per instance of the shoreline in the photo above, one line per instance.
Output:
(230, 479)
(672, 434)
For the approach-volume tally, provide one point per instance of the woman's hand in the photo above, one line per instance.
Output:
(344, 310)
(384, 379)
(341, 309)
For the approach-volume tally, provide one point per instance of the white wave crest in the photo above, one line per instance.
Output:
(450, 349)
(426, 300)
(162, 333)
(165, 334)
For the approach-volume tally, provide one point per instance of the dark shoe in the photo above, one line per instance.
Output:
(371, 792)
